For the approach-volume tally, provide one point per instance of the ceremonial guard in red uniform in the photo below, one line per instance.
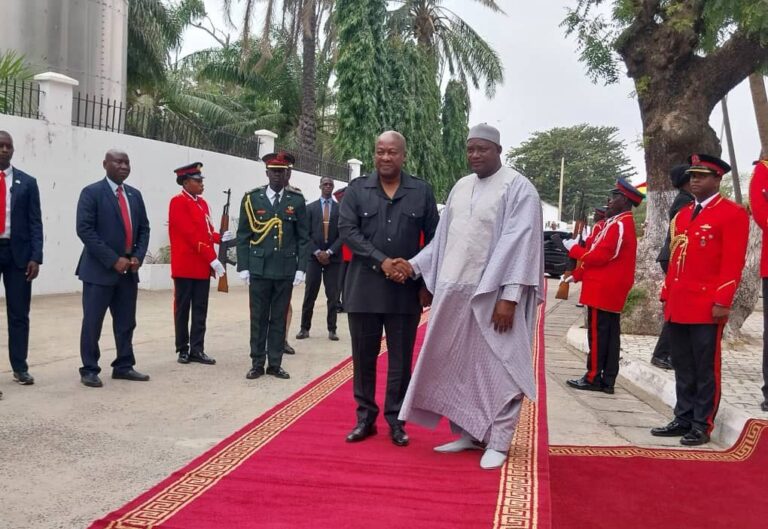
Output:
(708, 249)
(193, 262)
(758, 201)
(607, 273)
(597, 227)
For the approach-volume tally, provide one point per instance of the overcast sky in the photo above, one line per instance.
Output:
(545, 85)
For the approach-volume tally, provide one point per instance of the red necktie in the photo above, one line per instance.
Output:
(126, 219)
(2, 201)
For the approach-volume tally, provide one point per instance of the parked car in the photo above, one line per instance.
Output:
(555, 257)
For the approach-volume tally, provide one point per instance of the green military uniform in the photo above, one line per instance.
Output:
(272, 244)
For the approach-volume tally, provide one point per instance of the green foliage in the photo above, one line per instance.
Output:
(155, 29)
(357, 115)
(709, 22)
(637, 296)
(594, 159)
(13, 65)
(455, 130)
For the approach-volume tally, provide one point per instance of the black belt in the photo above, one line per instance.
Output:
(5, 242)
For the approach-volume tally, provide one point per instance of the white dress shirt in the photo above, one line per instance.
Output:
(8, 183)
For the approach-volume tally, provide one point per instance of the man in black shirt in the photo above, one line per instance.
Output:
(385, 215)
(681, 179)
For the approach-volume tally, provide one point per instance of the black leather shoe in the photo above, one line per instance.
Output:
(673, 429)
(183, 357)
(695, 437)
(661, 362)
(91, 380)
(361, 431)
(302, 334)
(254, 373)
(764, 405)
(1, 395)
(288, 349)
(130, 374)
(584, 384)
(607, 389)
(24, 378)
(201, 358)
(332, 336)
(398, 436)
(278, 372)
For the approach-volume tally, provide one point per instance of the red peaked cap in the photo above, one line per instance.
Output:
(188, 171)
(628, 190)
(704, 163)
(278, 160)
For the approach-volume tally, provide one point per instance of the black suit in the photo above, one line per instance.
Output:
(25, 245)
(663, 349)
(100, 227)
(316, 272)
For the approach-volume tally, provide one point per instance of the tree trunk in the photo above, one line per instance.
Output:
(308, 118)
(760, 102)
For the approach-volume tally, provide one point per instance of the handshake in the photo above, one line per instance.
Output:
(397, 270)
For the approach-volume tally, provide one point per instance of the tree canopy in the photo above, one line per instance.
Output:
(594, 159)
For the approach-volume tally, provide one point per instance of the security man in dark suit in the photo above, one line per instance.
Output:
(112, 223)
(384, 216)
(272, 245)
(681, 180)
(21, 253)
(324, 259)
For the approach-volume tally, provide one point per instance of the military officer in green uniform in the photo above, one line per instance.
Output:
(272, 246)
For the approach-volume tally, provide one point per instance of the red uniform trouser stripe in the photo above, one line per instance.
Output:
(718, 374)
(593, 345)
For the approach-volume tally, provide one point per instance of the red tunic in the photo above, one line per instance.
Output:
(758, 202)
(608, 265)
(192, 237)
(707, 257)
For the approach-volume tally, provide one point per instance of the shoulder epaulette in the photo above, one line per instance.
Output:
(294, 190)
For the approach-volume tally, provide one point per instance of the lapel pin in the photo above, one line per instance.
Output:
(16, 181)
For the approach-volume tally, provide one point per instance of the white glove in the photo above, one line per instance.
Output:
(298, 278)
(245, 275)
(227, 236)
(568, 279)
(218, 268)
(569, 243)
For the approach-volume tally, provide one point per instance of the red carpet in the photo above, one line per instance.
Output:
(291, 468)
(629, 487)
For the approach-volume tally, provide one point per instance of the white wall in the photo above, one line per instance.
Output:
(64, 159)
(549, 213)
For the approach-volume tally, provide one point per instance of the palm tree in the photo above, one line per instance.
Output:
(448, 38)
(154, 30)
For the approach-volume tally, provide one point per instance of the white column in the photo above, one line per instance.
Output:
(56, 97)
(355, 167)
(266, 141)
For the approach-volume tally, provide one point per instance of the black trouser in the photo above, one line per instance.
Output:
(120, 299)
(18, 293)
(190, 294)
(604, 334)
(366, 331)
(765, 338)
(696, 356)
(663, 349)
(329, 275)
(342, 274)
(269, 299)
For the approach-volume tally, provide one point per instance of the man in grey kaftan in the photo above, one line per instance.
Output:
(487, 252)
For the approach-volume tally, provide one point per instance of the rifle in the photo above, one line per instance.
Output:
(225, 246)
(580, 221)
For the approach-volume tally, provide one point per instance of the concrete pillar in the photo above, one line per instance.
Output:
(266, 141)
(56, 97)
(355, 167)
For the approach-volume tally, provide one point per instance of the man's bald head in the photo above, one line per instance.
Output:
(393, 135)
(389, 155)
(117, 165)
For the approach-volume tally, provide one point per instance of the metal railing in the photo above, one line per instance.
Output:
(20, 98)
(113, 116)
(317, 164)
